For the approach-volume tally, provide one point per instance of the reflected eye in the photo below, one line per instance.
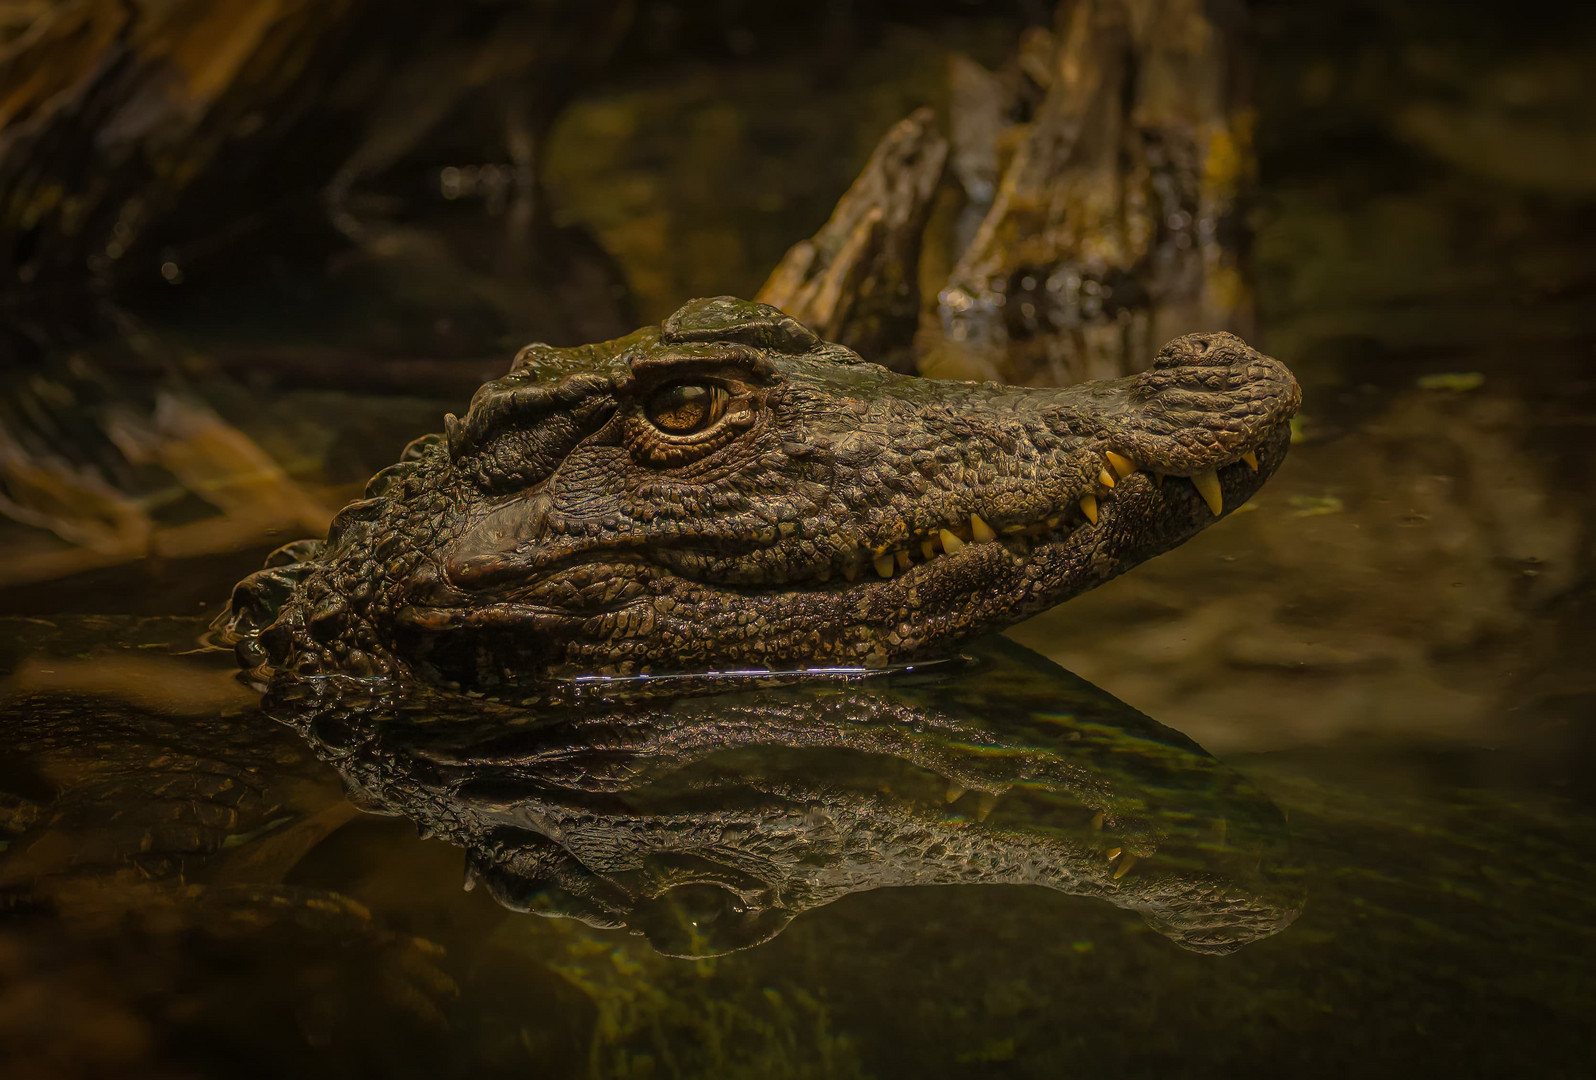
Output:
(684, 408)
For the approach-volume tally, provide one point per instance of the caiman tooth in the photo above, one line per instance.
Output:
(1097, 820)
(1207, 485)
(904, 559)
(1089, 507)
(851, 563)
(1124, 866)
(1251, 459)
(884, 565)
(950, 543)
(980, 531)
(1105, 478)
(928, 549)
(1120, 463)
(955, 792)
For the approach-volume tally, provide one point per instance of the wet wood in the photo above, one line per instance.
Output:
(855, 280)
(1116, 222)
(139, 137)
(1103, 177)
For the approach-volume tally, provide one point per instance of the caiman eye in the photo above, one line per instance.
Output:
(685, 408)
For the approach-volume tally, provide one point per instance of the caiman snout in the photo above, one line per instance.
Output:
(1208, 401)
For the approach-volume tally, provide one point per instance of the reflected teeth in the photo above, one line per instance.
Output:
(1208, 487)
(950, 543)
(1251, 459)
(1124, 866)
(1089, 507)
(1121, 464)
(981, 531)
(884, 565)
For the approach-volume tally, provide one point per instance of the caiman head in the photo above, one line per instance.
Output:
(727, 490)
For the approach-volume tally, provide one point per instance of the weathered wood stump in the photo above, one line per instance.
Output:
(1102, 176)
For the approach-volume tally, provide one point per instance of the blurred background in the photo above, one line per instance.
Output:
(251, 248)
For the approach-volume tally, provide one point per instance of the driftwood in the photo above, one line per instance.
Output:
(146, 144)
(141, 138)
(856, 276)
(1103, 176)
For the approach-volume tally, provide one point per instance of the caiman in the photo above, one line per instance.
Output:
(727, 490)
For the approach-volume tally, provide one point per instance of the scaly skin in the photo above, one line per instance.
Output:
(834, 513)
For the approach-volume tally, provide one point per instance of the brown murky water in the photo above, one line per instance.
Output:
(1391, 646)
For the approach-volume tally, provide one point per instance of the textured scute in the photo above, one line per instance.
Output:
(728, 319)
(559, 528)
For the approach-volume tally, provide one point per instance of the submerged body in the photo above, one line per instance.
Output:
(729, 490)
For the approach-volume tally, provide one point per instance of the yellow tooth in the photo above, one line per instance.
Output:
(1251, 459)
(1122, 464)
(884, 565)
(1097, 820)
(1105, 478)
(1113, 853)
(954, 792)
(850, 567)
(984, 804)
(903, 560)
(1208, 487)
(950, 543)
(980, 530)
(1053, 522)
(928, 549)
(1124, 866)
(1089, 507)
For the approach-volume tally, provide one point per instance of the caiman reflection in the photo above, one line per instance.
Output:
(707, 821)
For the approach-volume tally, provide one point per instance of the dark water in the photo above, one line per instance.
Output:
(1387, 866)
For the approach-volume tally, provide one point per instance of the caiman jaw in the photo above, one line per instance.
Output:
(941, 510)
(1119, 479)
(728, 490)
(921, 596)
